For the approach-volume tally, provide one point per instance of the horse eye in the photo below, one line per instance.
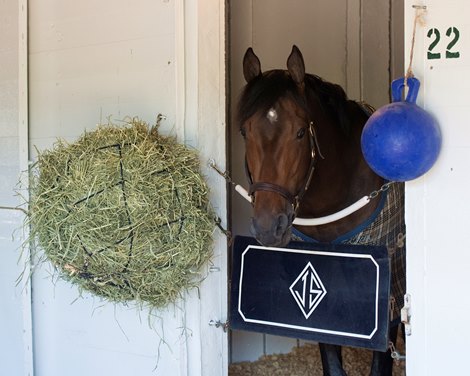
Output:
(243, 132)
(301, 133)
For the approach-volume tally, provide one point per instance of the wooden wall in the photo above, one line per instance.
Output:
(15, 306)
(437, 204)
(89, 60)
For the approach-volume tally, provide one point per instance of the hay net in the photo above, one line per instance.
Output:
(123, 213)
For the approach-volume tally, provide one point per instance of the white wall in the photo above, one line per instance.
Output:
(95, 59)
(437, 204)
(89, 60)
(15, 320)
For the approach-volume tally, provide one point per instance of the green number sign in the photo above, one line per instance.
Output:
(456, 33)
(452, 34)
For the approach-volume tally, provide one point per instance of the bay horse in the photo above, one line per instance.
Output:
(303, 159)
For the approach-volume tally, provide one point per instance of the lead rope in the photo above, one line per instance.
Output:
(309, 221)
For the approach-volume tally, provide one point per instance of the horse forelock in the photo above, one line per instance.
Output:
(261, 93)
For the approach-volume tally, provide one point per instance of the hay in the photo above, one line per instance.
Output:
(123, 213)
(305, 361)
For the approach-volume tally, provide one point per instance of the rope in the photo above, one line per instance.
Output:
(420, 12)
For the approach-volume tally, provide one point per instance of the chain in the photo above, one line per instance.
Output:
(227, 233)
(383, 188)
(217, 221)
(396, 356)
(224, 174)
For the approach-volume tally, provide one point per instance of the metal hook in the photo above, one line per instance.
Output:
(211, 163)
(219, 324)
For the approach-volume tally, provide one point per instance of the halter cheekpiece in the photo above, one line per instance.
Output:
(293, 199)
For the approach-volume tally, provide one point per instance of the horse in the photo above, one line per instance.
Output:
(303, 159)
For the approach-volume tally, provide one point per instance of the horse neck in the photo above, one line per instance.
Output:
(339, 180)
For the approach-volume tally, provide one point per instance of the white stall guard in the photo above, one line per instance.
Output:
(89, 60)
(437, 205)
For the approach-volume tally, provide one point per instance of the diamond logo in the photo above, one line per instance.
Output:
(308, 290)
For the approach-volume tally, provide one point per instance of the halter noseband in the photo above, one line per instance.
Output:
(294, 200)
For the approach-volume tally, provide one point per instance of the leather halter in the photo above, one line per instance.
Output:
(294, 200)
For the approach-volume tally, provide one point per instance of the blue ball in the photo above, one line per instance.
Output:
(401, 141)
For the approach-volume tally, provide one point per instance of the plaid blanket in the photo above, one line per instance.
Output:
(385, 227)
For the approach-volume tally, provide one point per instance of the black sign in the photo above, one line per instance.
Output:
(335, 294)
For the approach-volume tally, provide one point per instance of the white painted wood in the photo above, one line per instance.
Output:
(15, 312)
(90, 60)
(437, 204)
(23, 144)
(121, 65)
(205, 127)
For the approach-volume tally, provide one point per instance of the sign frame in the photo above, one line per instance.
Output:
(244, 307)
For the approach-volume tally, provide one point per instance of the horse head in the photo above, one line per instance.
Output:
(280, 144)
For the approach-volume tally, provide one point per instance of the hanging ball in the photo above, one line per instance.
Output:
(401, 141)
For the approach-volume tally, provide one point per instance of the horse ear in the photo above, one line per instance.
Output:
(296, 66)
(251, 65)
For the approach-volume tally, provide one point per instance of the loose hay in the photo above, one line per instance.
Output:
(123, 213)
(305, 361)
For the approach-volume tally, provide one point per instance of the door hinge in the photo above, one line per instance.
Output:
(405, 314)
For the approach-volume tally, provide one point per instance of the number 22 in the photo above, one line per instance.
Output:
(437, 37)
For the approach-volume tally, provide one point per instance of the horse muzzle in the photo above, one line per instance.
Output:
(272, 230)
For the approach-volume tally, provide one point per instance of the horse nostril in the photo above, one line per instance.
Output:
(282, 224)
(270, 231)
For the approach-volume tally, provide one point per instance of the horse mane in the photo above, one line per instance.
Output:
(262, 92)
(333, 100)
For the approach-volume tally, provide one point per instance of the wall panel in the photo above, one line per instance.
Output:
(90, 60)
(437, 204)
(15, 318)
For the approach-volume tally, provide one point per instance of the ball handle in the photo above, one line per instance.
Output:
(399, 84)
